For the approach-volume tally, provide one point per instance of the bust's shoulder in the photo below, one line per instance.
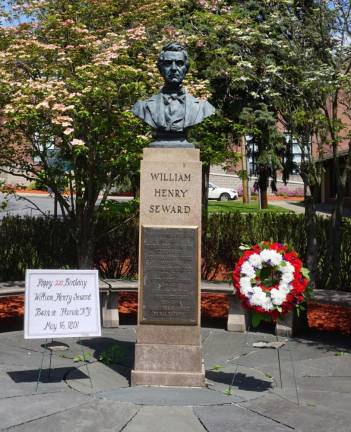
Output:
(204, 105)
(208, 108)
(140, 105)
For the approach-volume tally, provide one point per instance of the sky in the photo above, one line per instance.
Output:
(5, 6)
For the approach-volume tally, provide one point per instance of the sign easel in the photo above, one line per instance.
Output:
(61, 304)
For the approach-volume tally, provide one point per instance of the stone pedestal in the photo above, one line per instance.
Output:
(237, 316)
(168, 349)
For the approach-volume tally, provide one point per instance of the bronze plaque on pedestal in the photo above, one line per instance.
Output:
(169, 276)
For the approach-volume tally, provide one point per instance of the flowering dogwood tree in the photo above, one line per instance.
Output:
(68, 76)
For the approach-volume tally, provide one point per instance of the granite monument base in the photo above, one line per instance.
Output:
(168, 349)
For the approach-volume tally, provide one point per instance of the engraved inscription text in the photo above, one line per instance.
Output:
(169, 275)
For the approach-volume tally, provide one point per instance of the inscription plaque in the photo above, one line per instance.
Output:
(170, 275)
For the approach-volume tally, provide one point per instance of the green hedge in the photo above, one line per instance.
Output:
(33, 243)
(226, 232)
(45, 243)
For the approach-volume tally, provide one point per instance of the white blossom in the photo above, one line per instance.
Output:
(284, 287)
(247, 269)
(261, 299)
(255, 260)
(287, 268)
(77, 142)
(278, 296)
(287, 277)
(271, 256)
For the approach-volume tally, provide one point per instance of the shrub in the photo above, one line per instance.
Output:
(30, 242)
(45, 243)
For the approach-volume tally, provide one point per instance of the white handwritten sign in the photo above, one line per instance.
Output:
(61, 303)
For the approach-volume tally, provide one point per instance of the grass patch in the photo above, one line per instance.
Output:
(230, 206)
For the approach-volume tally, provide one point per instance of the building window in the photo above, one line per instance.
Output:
(252, 155)
(295, 153)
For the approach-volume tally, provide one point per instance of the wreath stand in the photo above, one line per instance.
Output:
(285, 327)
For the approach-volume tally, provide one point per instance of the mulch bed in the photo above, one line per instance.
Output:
(213, 306)
(329, 317)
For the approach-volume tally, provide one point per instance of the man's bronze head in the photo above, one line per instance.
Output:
(173, 64)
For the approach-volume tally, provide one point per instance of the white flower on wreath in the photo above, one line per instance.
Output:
(260, 298)
(278, 296)
(284, 288)
(287, 277)
(286, 268)
(271, 256)
(245, 286)
(248, 270)
(255, 260)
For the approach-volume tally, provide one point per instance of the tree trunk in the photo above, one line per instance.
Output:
(335, 237)
(263, 199)
(263, 178)
(85, 246)
(245, 182)
(311, 231)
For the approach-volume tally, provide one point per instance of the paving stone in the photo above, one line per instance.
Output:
(300, 417)
(96, 416)
(223, 347)
(238, 419)
(324, 374)
(165, 419)
(102, 378)
(247, 383)
(331, 400)
(23, 381)
(14, 411)
(125, 343)
(328, 366)
(169, 396)
(323, 380)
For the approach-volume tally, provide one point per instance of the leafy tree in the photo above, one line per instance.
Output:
(214, 138)
(68, 77)
(334, 36)
(67, 81)
(298, 103)
(312, 83)
(234, 51)
(286, 61)
(313, 80)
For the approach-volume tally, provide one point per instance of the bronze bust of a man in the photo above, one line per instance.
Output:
(172, 111)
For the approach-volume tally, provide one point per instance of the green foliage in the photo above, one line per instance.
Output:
(112, 355)
(339, 353)
(46, 243)
(83, 357)
(213, 138)
(118, 208)
(70, 77)
(227, 232)
(232, 206)
(33, 243)
(216, 367)
(116, 247)
(257, 318)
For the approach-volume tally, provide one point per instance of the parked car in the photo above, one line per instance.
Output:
(220, 193)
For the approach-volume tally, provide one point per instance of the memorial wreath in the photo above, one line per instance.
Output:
(270, 281)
